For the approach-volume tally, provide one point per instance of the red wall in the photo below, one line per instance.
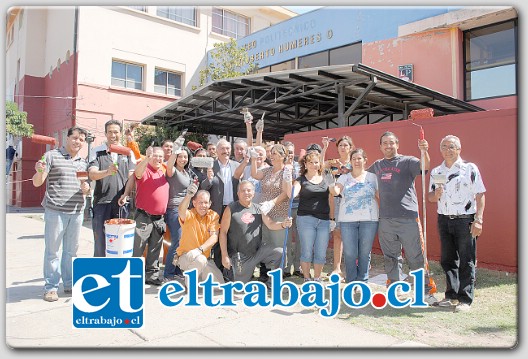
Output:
(48, 104)
(489, 139)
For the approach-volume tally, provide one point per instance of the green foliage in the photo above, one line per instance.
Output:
(16, 121)
(145, 135)
(228, 61)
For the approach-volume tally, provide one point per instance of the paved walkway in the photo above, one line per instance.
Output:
(33, 323)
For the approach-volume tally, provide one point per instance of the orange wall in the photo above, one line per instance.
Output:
(431, 53)
(480, 133)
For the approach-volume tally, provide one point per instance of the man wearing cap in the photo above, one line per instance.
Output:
(110, 171)
(457, 187)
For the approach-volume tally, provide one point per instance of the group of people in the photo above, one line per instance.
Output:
(232, 218)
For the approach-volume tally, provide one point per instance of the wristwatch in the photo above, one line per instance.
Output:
(201, 249)
(478, 220)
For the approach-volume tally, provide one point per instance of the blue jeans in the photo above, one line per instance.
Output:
(171, 218)
(358, 238)
(60, 228)
(314, 234)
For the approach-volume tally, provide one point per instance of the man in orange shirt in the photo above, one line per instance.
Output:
(200, 227)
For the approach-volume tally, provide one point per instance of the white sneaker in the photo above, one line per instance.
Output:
(462, 307)
(446, 302)
(430, 299)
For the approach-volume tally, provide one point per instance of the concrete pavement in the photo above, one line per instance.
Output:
(33, 323)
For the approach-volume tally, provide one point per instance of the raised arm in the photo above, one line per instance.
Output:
(140, 168)
(224, 228)
(170, 164)
(424, 147)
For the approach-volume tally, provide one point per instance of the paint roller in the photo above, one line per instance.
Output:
(121, 150)
(44, 140)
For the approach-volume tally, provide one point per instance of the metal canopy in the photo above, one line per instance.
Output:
(303, 100)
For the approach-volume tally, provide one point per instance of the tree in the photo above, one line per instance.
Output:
(145, 135)
(228, 60)
(16, 121)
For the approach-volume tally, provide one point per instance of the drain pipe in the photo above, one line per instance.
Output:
(74, 78)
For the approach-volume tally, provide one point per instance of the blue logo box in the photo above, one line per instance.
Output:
(108, 292)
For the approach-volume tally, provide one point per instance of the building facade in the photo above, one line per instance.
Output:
(86, 65)
(458, 51)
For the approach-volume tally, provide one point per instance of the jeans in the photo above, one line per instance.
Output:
(458, 256)
(358, 238)
(314, 234)
(101, 213)
(171, 218)
(60, 228)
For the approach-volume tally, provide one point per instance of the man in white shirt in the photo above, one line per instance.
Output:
(457, 187)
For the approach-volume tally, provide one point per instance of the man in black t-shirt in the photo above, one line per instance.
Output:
(241, 236)
(111, 172)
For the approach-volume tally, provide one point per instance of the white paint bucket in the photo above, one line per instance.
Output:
(119, 233)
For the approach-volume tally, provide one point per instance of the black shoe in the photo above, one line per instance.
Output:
(298, 274)
(156, 282)
(286, 275)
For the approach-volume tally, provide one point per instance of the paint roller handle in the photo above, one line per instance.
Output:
(45, 140)
(422, 134)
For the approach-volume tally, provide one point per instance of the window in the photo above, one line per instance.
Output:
(138, 8)
(350, 54)
(314, 60)
(230, 24)
(490, 57)
(185, 15)
(168, 83)
(127, 75)
(287, 65)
